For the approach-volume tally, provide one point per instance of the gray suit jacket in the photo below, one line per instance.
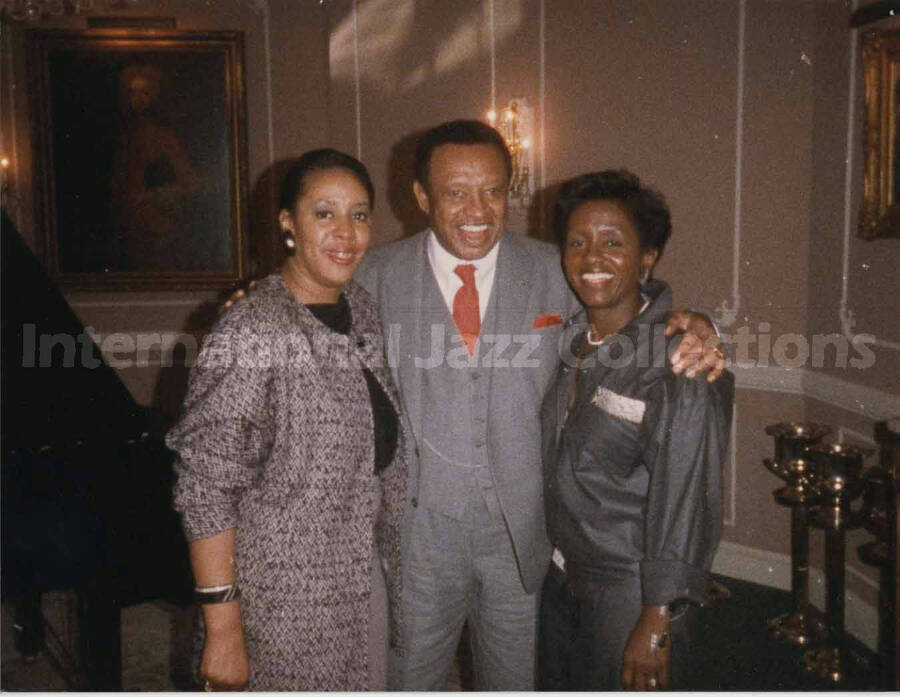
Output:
(531, 295)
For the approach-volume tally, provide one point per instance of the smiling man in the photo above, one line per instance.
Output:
(476, 317)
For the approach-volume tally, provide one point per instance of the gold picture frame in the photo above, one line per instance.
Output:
(880, 212)
(140, 138)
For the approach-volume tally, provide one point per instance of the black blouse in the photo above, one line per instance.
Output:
(337, 317)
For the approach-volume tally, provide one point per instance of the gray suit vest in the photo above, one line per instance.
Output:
(454, 458)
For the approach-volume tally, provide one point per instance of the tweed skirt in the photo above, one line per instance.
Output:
(378, 620)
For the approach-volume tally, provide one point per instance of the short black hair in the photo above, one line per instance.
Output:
(459, 132)
(293, 185)
(647, 208)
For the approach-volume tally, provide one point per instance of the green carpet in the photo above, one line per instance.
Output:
(734, 652)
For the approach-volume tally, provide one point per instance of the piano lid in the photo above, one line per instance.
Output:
(67, 394)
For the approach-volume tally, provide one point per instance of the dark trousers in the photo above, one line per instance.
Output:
(585, 621)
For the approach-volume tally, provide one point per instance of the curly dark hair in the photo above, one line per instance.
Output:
(646, 208)
(293, 186)
(460, 132)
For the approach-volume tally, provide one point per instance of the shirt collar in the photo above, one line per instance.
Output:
(444, 262)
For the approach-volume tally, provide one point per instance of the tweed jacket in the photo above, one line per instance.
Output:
(276, 441)
(519, 344)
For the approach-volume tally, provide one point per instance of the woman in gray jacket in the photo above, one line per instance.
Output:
(290, 464)
(632, 455)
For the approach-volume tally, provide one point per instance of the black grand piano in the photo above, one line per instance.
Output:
(86, 477)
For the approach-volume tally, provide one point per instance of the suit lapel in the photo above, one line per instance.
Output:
(511, 296)
(414, 328)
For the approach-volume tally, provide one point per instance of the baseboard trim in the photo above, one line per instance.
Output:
(774, 570)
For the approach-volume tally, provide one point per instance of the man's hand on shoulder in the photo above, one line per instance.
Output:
(237, 295)
(700, 349)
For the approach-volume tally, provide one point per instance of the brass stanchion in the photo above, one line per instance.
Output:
(880, 511)
(803, 625)
(840, 466)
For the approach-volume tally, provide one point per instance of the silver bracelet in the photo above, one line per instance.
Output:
(216, 594)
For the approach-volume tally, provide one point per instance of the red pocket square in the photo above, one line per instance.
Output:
(543, 321)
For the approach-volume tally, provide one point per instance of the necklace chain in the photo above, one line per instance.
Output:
(595, 342)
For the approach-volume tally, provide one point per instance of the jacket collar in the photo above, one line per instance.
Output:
(660, 296)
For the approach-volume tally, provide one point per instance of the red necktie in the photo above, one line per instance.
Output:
(465, 307)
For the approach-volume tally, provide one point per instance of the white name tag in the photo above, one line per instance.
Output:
(619, 406)
(557, 559)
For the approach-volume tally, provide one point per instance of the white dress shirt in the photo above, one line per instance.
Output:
(443, 263)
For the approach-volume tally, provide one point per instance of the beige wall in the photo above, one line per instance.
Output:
(872, 282)
(747, 132)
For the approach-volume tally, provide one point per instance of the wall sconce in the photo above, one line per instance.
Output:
(4, 178)
(516, 125)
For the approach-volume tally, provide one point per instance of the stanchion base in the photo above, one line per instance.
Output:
(874, 553)
(826, 663)
(796, 495)
(798, 629)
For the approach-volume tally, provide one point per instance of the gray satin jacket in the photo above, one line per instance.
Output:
(633, 473)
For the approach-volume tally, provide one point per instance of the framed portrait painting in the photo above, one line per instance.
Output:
(141, 156)
(880, 213)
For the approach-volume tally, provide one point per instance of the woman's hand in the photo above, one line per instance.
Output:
(700, 349)
(645, 664)
(224, 665)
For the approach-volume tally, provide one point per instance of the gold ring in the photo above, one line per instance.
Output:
(719, 352)
(207, 686)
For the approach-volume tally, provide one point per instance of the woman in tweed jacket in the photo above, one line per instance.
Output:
(283, 490)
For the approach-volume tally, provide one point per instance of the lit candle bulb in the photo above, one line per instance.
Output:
(492, 116)
(526, 143)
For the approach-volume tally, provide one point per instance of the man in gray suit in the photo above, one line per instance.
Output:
(473, 318)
